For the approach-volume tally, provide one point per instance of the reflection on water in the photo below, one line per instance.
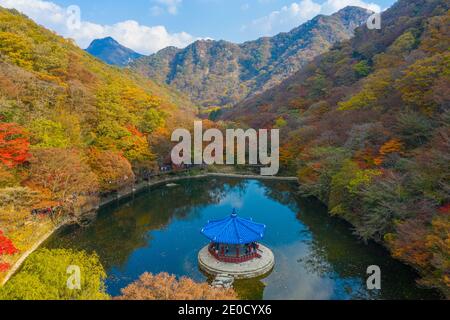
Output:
(317, 257)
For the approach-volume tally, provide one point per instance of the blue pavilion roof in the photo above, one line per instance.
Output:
(234, 230)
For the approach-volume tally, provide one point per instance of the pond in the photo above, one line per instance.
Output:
(317, 256)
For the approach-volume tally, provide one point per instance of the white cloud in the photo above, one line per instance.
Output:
(141, 38)
(170, 5)
(296, 13)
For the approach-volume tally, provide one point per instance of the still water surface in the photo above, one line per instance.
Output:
(317, 256)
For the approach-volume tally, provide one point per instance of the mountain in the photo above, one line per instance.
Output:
(366, 128)
(111, 52)
(221, 73)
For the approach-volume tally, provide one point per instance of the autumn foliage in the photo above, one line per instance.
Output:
(113, 171)
(392, 146)
(63, 172)
(4, 267)
(6, 246)
(14, 144)
(166, 287)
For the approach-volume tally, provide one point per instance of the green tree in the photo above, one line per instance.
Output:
(414, 128)
(280, 123)
(362, 69)
(44, 277)
(152, 120)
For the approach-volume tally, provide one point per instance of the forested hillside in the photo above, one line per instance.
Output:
(71, 128)
(221, 73)
(366, 127)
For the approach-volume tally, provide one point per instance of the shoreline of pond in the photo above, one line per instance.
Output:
(129, 193)
(165, 179)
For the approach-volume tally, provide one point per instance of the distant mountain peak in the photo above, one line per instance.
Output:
(112, 52)
(352, 9)
(111, 39)
(352, 16)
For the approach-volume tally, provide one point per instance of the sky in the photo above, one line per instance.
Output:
(147, 26)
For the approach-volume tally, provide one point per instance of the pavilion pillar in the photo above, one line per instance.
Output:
(237, 251)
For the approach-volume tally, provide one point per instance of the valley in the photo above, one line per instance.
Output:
(364, 123)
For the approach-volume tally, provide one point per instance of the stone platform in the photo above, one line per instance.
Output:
(245, 270)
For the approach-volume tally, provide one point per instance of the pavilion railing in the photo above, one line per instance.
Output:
(231, 259)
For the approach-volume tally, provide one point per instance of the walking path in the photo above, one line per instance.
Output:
(25, 255)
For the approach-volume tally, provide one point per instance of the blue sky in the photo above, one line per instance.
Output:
(149, 25)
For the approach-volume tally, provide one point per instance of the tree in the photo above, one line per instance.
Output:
(316, 177)
(390, 147)
(417, 84)
(126, 139)
(414, 128)
(346, 184)
(17, 197)
(166, 287)
(7, 177)
(17, 48)
(382, 202)
(136, 99)
(4, 267)
(318, 85)
(113, 171)
(288, 153)
(438, 243)
(44, 276)
(375, 87)
(63, 172)
(362, 69)
(152, 120)
(161, 144)
(280, 123)
(14, 144)
(6, 245)
(16, 204)
(48, 134)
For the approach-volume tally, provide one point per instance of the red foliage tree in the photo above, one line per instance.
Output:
(6, 246)
(4, 267)
(14, 144)
(445, 209)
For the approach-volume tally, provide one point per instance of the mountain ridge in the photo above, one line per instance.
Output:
(221, 73)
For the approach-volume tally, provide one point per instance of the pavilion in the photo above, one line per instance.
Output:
(235, 249)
